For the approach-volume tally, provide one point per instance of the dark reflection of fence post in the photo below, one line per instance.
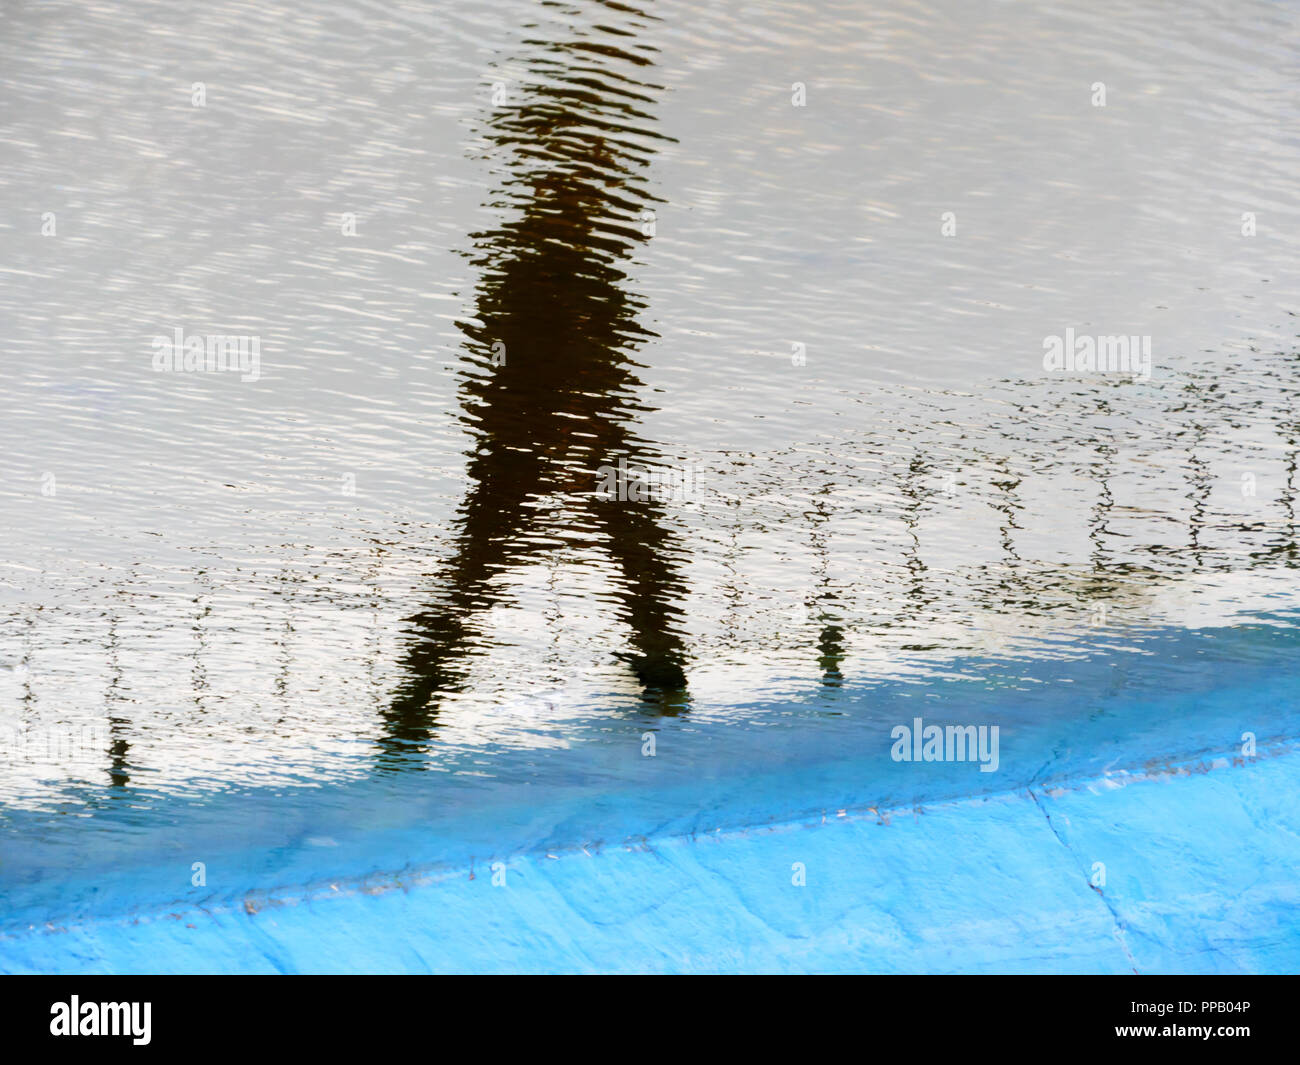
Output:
(915, 494)
(1198, 476)
(830, 635)
(1287, 428)
(1288, 545)
(1007, 485)
(200, 672)
(1101, 469)
(730, 589)
(118, 727)
(282, 644)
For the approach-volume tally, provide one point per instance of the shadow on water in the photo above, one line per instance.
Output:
(549, 390)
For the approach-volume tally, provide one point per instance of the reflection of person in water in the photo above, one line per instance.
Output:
(550, 388)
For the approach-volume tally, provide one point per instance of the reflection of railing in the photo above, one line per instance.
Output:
(898, 538)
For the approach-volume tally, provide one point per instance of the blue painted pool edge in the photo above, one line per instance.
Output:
(1199, 864)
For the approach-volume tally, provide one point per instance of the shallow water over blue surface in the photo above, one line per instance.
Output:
(1108, 714)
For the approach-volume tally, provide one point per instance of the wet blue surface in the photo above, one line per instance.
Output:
(1198, 877)
(717, 786)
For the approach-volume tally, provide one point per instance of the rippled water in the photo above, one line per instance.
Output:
(490, 248)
